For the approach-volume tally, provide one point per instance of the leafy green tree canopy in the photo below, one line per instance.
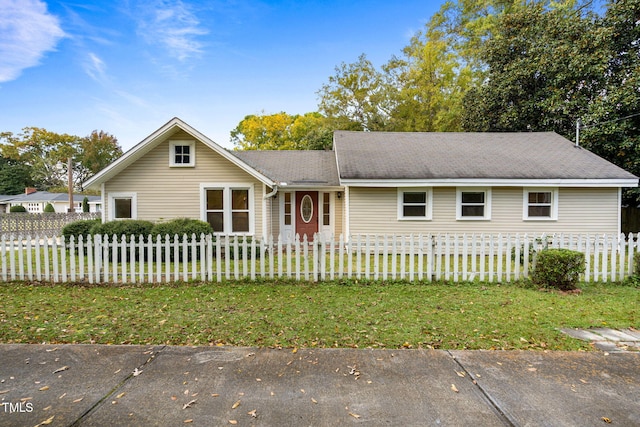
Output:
(45, 153)
(282, 131)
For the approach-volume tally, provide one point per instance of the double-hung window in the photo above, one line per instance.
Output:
(414, 203)
(182, 153)
(473, 203)
(540, 204)
(229, 209)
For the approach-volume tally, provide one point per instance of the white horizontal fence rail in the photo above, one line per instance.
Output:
(449, 257)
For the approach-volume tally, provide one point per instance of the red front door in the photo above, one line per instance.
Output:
(306, 214)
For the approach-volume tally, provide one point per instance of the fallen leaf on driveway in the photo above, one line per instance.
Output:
(234, 422)
(188, 421)
(136, 372)
(460, 374)
(64, 368)
(235, 405)
(356, 416)
(188, 405)
(45, 388)
(606, 420)
(47, 421)
(253, 413)
(454, 388)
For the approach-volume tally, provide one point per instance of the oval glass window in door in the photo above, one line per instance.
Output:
(306, 208)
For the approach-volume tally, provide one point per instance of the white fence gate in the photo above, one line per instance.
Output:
(450, 257)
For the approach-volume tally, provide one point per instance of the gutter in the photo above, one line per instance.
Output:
(273, 193)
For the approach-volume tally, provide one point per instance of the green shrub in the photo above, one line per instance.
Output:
(85, 204)
(180, 227)
(126, 227)
(49, 208)
(558, 268)
(79, 228)
(18, 209)
(634, 279)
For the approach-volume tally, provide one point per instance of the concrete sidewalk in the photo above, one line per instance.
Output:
(92, 385)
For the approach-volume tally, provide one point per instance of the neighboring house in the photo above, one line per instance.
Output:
(371, 183)
(35, 201)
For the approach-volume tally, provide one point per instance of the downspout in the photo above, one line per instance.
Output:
(267, 227)
(273, 193)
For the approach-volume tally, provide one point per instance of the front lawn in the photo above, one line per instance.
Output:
(330, 314)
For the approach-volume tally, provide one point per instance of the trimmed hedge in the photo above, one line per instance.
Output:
(49, 208)
(18, 208)
(558, 268)
(127, 227)
(180, 227)
(79, 228)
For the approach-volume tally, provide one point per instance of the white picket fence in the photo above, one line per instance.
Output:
(451, 257)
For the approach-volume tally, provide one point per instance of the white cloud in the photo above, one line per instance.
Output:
(95, 68)
(27, 31)
(172, 25)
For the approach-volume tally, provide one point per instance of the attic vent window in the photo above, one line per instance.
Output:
(182, 153)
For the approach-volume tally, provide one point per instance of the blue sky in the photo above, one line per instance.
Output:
(129, 66)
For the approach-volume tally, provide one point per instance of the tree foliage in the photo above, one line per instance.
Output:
(45, 154)
(544, 67)
(612, 120)
(282, 131)
(356, 97)
(14, 176)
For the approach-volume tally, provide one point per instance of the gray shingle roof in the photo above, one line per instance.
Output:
(45, 196)
(452, 155)
(296, 168)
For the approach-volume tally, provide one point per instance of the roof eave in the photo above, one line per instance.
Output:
(493, 182)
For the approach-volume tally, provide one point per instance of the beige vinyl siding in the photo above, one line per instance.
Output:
(580, 210)
(165, 192)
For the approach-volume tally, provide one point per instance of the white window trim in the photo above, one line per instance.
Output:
(428, 214)
(192, 154)
(328, 230)
(226, 194)
(287, 231)
(554, 203)
(487, 203)
(112, 205)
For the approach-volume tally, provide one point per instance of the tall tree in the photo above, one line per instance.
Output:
(282, 131)
(14, 176)
(545, 65)
(46, 154)
(94, 153)
(612, 121)
(43, 151)
(357, 97)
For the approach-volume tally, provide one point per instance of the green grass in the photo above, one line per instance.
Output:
(329, 314)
